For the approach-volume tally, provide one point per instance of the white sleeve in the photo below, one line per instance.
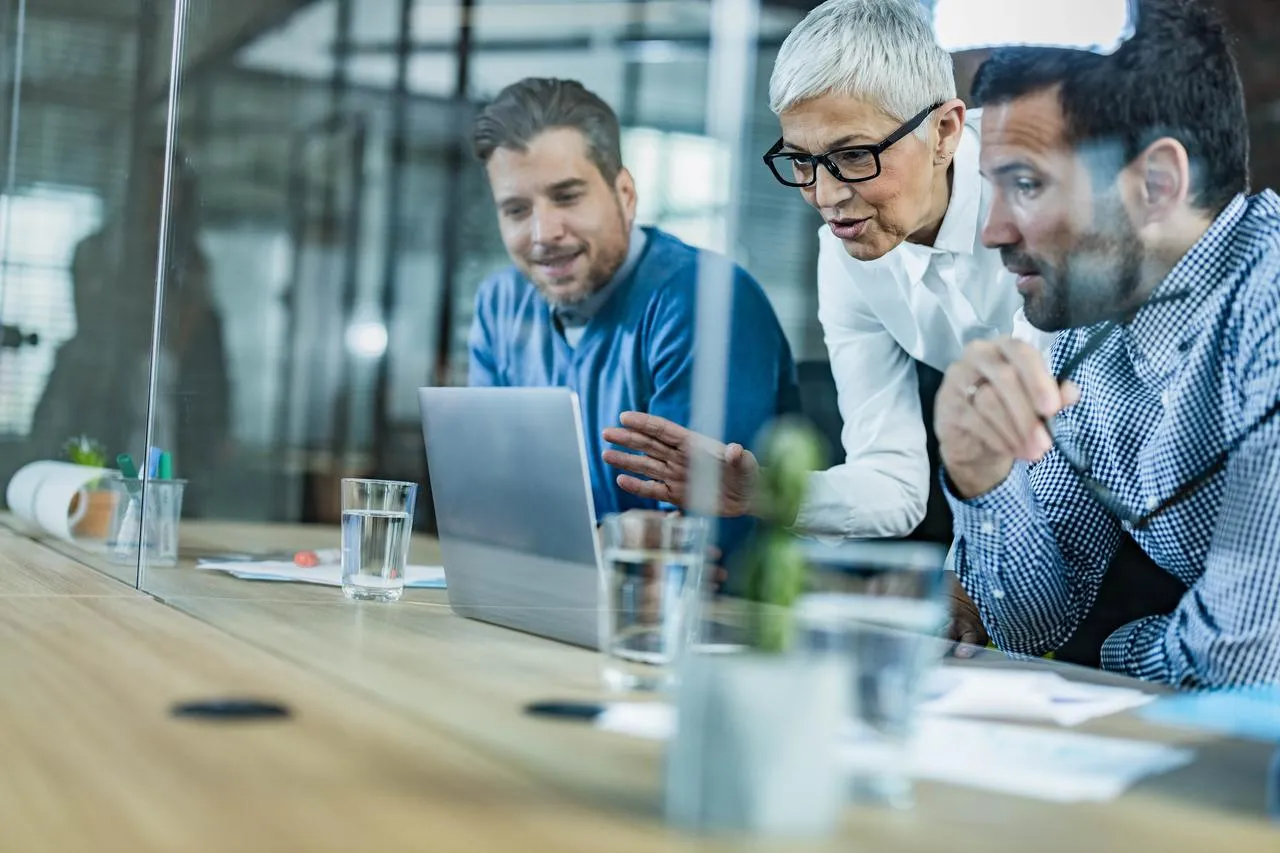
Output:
(882, 487)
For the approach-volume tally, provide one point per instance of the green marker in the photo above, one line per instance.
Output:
(165, 469)
(125, 461)
(130, 471)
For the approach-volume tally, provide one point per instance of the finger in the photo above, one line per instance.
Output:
(656, 427)
(1006, 380)
(964, 649)
(737, 456)
(1023, 434)
(1070, 393)
(1017, 419)
(983, 416)
(633, 440)
(651, 489)
(645, 466)
(638, 441)
(1041, 387)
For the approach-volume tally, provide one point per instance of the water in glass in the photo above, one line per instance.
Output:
(375, 546)
(886, 625)
(650, 596)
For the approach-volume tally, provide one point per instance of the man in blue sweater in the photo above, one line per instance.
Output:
(594, 302)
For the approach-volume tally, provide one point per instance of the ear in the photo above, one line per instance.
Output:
(950, 127)
(1163, 178)
(625, 187)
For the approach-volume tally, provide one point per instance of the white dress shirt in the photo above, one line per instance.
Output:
(917, 303)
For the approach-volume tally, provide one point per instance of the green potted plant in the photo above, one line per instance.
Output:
(94, 506)
(756, 749)
(774, 565)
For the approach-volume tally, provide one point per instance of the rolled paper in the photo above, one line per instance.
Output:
(45, 494)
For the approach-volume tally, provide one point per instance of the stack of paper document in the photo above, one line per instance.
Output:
(418, 577)
(1045, 764)
(958, 691)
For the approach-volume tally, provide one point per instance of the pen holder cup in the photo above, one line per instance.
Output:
(146, 519)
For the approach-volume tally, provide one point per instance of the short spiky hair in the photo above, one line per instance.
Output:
(535, 104)
(1176, 77)
(882, 51)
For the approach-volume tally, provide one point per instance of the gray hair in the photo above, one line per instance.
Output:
(530, 106)
(881, 51)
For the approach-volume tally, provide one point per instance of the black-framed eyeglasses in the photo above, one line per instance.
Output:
(1077, 456)
(851, 164)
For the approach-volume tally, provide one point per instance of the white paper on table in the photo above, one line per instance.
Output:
(958, 691)
(1045, 764)
(41, 493)
(330, 574)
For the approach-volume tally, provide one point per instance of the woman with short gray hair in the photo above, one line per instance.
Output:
(877, 142)
(875, 139)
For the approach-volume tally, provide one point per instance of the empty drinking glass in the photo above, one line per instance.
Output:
(377, 523)
(652, 578)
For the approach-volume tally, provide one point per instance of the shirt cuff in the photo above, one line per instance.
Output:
(1137, 649)
(982, 522)
(982, 527)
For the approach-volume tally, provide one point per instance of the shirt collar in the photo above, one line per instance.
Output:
(1158, 332)
(958, 233)
(959, 229)
(580, 313)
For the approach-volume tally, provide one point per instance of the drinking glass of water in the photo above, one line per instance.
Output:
(882, 605)
(377, 521)
(652, 582)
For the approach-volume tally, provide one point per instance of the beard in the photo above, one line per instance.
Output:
(1093, 282)
(605, 256)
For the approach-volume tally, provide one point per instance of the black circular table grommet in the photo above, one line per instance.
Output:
(231, 709)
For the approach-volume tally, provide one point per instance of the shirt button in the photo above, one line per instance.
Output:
(997, 594)
(987, 528)
(1152, 503)
(1164, 399)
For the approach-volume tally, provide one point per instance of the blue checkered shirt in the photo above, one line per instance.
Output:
(1163, 397)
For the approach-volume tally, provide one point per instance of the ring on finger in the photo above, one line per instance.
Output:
(973, 389)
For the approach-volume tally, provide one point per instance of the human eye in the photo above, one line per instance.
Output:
(1023, 186)
(854, 162)
(852, 157)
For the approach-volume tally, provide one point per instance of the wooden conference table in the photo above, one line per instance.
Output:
(408, 732)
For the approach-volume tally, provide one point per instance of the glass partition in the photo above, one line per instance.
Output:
(238, 236)
(327, 192)
(81, 184)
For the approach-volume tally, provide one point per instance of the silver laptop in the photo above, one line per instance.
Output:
(513, 505)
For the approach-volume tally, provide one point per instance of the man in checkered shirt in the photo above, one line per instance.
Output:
(1120, 200)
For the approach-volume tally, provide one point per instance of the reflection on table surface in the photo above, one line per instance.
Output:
(470, 681)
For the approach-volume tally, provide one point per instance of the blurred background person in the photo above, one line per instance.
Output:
(100, 380)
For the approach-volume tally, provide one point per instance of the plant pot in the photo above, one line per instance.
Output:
(98, 508)
(756, 750)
